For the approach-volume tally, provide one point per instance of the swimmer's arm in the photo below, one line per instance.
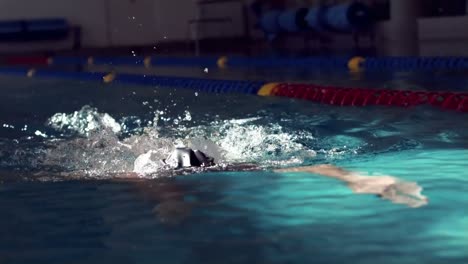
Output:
(386, 187)
(324, 170)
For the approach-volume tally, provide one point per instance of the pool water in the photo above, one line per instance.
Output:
(62, 143)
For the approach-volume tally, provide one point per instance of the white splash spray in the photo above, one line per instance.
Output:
(100, 151)
(84, 121)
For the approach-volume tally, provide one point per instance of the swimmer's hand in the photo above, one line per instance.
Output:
(408, 193)
(386, 187)
(390, 188)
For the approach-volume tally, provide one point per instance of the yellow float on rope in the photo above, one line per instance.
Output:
(147, 62)
(31, 73)
(108, 78)
(222, 62)
(90, 60)
(354, 64)
(267, 89)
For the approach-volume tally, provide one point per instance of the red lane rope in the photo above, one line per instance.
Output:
(26, 60)
(364, 97)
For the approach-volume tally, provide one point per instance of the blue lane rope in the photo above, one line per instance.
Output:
(131, 61)
(415, 63)
(65, 75)
(236, 61)
(369, 63)
(14, 71)
(328, 62)
(205, 85)
(63, 60)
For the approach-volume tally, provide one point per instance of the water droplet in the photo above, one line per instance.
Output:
(39, 133)
(188, 116)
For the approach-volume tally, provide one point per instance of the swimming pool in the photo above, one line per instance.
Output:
(53, 128)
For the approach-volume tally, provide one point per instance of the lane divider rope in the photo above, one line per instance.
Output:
(356, 63)
(339, 96)
(366, 97)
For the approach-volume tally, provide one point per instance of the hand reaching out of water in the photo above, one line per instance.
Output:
(386, 187)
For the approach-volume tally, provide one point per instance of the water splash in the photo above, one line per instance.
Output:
(84, 121)
(102, 145)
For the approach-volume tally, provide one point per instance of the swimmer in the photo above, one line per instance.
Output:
(185, 161)
(172, 208)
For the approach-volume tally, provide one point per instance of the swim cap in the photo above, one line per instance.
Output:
(187, 157)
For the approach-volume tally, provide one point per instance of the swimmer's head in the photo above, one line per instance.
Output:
(187, 157)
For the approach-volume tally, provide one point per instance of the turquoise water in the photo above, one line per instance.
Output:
(222, 217)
